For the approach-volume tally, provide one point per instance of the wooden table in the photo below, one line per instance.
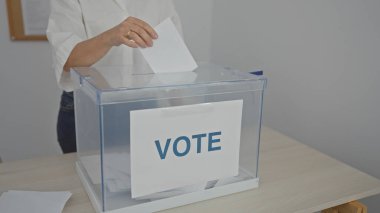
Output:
(294, 178)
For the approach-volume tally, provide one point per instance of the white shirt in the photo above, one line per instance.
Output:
(73, 21)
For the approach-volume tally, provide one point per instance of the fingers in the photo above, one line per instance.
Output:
(152, 33)
(138, 40)
(139, 33)
(129, 43)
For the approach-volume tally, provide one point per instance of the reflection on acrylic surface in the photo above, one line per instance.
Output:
(118, 177)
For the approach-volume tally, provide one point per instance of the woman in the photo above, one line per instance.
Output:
(86, 33)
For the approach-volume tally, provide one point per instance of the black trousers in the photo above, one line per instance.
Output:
(66, 123)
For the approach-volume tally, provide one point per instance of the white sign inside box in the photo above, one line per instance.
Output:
(185, 145)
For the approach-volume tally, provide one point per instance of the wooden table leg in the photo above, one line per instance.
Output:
(351, 207)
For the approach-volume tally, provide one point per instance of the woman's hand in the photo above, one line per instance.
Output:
(132, 32)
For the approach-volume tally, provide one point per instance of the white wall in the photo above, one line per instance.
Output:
(322, 60)
(196, 18)
(29, 97)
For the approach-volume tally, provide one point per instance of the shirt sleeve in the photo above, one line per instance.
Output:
(65, 30)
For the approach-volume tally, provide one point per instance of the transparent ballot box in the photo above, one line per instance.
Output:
(149, 142)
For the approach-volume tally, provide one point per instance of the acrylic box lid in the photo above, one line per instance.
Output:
(115, 81)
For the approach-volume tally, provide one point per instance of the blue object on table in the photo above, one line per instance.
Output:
(258, 72)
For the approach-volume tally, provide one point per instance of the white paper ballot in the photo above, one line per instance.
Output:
(169, 52)
(115, 168)
(33, 202)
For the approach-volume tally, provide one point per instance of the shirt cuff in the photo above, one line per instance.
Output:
(62, 54)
